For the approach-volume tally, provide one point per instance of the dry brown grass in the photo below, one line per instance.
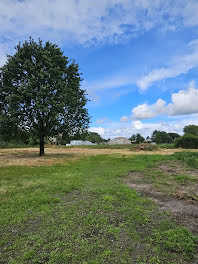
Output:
(57, 155)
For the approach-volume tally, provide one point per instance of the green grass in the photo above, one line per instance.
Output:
(14, 144)
(189, 158)
(166, 145)
(83, 213)
(122, 146)
(169, 180)
(184, 179)
(104, 146)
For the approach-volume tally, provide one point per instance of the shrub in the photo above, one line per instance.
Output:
(187, 142)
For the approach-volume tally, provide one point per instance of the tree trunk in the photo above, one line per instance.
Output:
(42, 152)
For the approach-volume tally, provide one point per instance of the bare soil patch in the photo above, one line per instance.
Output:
(189, 191)
(58, 155)
(176, 168)
(182, 211)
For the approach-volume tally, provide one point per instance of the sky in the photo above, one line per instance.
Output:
(138, 58)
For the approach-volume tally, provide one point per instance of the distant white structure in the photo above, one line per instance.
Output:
(119, 141)
(80, 143)
(148, 140)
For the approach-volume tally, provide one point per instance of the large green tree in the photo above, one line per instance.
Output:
(191, 129)
(137, 138)
(160, 137)
(94, 138)
(40, 93)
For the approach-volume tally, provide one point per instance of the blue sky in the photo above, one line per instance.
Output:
(139, 58)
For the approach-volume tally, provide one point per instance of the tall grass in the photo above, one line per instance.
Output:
(190, 158)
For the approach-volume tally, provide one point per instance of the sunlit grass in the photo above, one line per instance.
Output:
(82, 212)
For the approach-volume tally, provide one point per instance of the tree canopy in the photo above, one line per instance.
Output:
(40, 93)
(94, 138)
(191, 129)
(174, 135)
(160, 137)
(137, 138)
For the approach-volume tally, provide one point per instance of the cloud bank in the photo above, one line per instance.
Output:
(145, 129)
(177, 66)
(183, 102)
(94, 21)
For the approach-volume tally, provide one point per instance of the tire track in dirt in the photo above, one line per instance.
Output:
(182, 210)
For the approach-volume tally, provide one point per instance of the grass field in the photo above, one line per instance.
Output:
(4, 145)
(98, 209)
(124, 146)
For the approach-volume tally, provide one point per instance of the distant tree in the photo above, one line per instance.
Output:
(191, 129)
(160, 137)
(40, 93)
(94, 138)
(133, 138)
(137, 138)
(174, 135)
(188, 141)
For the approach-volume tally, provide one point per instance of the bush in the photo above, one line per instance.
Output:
(187, 142)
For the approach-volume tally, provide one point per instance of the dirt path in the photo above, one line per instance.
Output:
(29, 156)
(184, 211)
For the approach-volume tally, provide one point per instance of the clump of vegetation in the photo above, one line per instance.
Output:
(190, 158)
(191, 129)
(161, 137)
(190, 139)
(95, 138)
(136, 138)
(176, 239)
(182, 179)
(187, 142)
(146, 147)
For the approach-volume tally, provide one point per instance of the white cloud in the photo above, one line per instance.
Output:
(111, 82)
(88, 21)
(137, 125)
(99, 130)
(3, 50)
(145, 129)
(104, 120)
(183, 102)
(124, 119)
(177, 66)
(190, 13)
(145, 111)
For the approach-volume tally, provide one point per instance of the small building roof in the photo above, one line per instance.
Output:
(148, 140)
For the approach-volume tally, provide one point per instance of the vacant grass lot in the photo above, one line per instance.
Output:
(84, 212)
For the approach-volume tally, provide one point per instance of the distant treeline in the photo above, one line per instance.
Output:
(188, 140)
